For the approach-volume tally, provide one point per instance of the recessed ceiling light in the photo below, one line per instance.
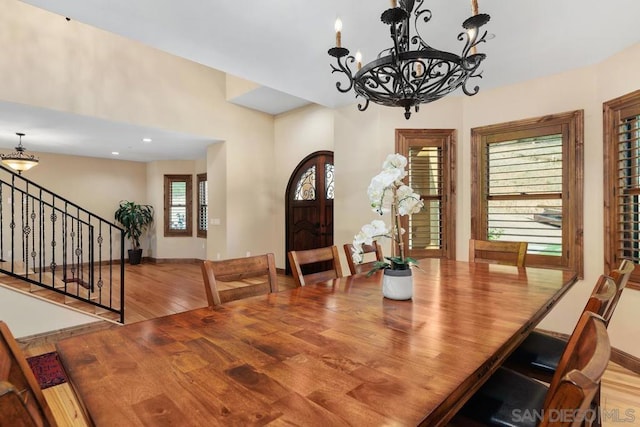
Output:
(115, 153)
(146, 139)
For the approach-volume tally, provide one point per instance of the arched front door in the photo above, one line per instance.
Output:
(309, 204)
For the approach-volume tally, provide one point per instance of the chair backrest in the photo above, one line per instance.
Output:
(354, 268)
(21, 398)
(621, 276)
(330, 255)
(602, 296)
(577, 378)
(233, 279)
(498, 252)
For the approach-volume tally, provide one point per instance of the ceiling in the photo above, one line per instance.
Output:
(282, 45)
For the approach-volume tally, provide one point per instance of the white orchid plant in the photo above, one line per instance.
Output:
(388, 194)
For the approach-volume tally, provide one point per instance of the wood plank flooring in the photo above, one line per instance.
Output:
(154, 290)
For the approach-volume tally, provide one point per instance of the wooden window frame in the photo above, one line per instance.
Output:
(168, 180)
(572, 125)
(613, 111)
(201, 177)
(445, 139)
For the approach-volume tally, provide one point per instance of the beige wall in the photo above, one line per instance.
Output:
(161, 247)
(362, 140)
(97, 185)
(297, 134)
(72, 67)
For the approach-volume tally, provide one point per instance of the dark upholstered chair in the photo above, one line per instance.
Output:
(539, 354)
(509, 398)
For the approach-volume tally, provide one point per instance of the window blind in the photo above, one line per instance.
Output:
(524, 192)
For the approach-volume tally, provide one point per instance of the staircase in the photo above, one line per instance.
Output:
(56, 250)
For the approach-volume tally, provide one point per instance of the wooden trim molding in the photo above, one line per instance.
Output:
(52, 337)
(172, 260)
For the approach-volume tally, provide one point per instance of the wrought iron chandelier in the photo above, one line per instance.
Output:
(401, 77)
(18, 160)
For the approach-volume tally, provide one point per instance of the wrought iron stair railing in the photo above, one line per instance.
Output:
(54, 244)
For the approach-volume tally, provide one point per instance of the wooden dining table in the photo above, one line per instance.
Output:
(333, 353)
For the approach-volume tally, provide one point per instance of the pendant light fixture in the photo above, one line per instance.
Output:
(18, 160)
(411, 72)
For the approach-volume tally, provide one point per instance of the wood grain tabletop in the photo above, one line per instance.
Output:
(334, 353)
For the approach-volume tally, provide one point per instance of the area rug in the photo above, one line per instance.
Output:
(47, 369)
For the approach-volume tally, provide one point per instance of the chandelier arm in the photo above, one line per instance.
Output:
(425, 15)
(363, 107)
(343, 67)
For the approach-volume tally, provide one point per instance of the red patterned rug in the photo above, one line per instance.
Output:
(47, 369)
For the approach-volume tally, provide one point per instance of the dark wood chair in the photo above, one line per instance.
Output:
(233, 279)
(498, 252)
(510, 398)
(21, 400)
(354, 268)
(621, 276)
(328, 255)
(539, 354)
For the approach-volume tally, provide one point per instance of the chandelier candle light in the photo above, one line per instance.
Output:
(389, 194)
(401, 77)
(18, 160)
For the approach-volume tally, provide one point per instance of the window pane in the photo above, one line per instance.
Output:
(629, 190)
(203, 196)
(425, 177)
(328, 177)
(177, 218)
(536, 221)
(531, 165)
(178, 193)
(178, 210)
(306, 187)
(518, 170)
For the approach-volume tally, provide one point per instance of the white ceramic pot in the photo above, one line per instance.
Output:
(397, 284)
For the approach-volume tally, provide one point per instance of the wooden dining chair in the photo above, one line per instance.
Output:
(327, 257)
(21, 400)
(233, 279)
(364, 267)
(510, 398)
(498, 252)
(539, 354)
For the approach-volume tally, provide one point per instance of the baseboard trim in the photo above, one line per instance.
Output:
(53, 337)
(280, 271)
(172, 260)
(620, 357)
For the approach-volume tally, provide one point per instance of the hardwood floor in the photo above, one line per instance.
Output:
(154, 290)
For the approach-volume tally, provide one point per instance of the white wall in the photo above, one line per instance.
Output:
(27, 316)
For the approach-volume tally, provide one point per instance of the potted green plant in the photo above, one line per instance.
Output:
(135, 219)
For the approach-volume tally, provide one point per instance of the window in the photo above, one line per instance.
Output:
(431, 173)
(203, 205)
(177, 205)
(622, 182)
(527, 180)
